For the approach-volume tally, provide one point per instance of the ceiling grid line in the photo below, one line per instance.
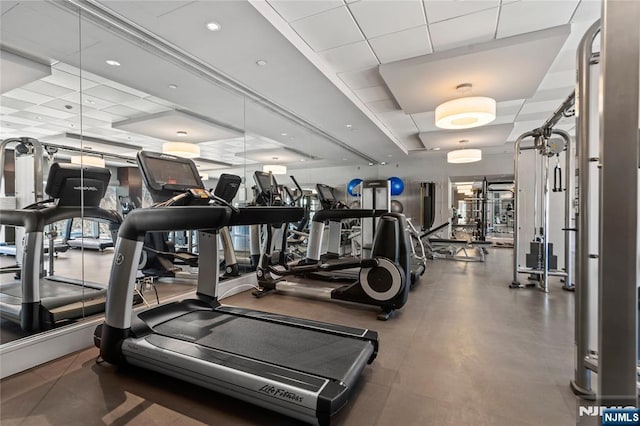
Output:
(426, 20)
(355, 21)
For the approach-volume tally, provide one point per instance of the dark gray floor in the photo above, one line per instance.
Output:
(465, 350)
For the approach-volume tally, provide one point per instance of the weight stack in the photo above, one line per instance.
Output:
(535, 257)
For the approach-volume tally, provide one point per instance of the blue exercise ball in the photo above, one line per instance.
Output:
(397, 185)
(351, 186)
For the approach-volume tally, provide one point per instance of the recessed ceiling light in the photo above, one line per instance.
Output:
(213, 26)
(370, 164)
(302, 159)
(349, 126)
(90, 102)
(112, 63)
(181, 133)
(384, 163)
(173, 86)
(283, 134)
(436, 149)
(261, 62)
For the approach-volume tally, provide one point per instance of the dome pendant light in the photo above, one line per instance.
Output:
(465, 112)
(460, 156)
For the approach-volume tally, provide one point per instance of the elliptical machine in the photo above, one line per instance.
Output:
(382, 280)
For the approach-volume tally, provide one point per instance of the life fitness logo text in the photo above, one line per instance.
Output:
(280, 393)
(85, 188)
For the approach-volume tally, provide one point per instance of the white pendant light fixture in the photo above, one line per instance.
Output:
(181, 149)
(460, 156)
(275, 169)
(465, 112)
(87, 160)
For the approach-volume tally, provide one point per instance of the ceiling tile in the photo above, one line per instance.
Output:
(588, 10)
(372, 94)
(126, 89)
(555, 80)
(87, 122)
(469, 29)
(296, 9)
(27, 95)
(425, 121)
(145, 106)
(6, 110)
(35, 117)
(547, 107)
(531, 15)
(109, 94)
(122, 111)
(17, 104)
(77, 98)
(566, 60)
(40, 131)
(51, 112)
(351, 57)
(377, 18)
(477, 137)
(509, 107)
(102, 115)
(329, 29)
(551, 94)
(540, 116)
(439, 10)
(68, 80)
(363, 78)
(401, 45)
(48, 89)
(386, 105)
(399, 123)
(15, 119)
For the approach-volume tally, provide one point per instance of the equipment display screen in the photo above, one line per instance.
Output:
(264, 181)
(326, 193)
(171, 172)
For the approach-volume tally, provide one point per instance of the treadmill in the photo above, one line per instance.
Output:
(301, 368)
(37, 302)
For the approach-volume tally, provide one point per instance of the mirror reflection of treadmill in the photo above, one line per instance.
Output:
(38, 303)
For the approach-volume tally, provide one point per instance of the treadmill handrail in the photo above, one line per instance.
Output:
(340, 214)
(36, 220)
(173, 218)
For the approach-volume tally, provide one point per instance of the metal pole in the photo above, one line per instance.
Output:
(618, 261)
(516, 214)
(545, 214)
(581, 384)
(568, 210)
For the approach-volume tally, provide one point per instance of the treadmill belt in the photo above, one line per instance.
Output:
(305, 350)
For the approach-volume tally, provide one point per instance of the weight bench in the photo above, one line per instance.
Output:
(452, 249)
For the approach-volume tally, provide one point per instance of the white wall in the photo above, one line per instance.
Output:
(425, 169)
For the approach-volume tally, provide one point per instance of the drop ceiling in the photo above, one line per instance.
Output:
(324, 61)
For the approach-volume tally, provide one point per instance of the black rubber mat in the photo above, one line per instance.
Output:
(300, 349)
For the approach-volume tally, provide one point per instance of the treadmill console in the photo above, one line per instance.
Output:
(268, 193)
(326, 196)
(74, 185)
(168, 175)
